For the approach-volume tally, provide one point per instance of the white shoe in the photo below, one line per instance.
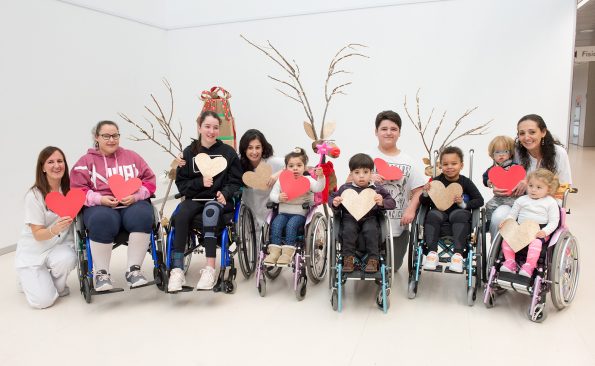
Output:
(207, 279)
(176, 280)
(456, 263)
(431, 261)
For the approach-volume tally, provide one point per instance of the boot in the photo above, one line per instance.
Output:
(286, 255)
(348, 265)
(273, 256)
(371, 266)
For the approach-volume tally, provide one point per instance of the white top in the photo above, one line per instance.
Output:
(256, 199)
(295, 205)
(562, 165)
(31, 252)
(401, 189)
(542, 211)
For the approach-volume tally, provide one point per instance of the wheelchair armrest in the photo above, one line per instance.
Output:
(272, 205)
(475, 217)
(178, 196)
(420, 217)
(306, 205)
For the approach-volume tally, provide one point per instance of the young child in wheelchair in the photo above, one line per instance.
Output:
(539, 206)
(457, 216)
(292, 214)
(361, 167)
(501, 150)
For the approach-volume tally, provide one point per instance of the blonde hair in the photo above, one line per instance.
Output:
(503, 141)
(547, 177)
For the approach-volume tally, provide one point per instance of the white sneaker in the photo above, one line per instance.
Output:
(456, 263)
(176, 280)
(207, 279)
(431, 261)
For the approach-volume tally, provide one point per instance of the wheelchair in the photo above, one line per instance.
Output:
(235, 234)
(85, 260)
(309, 260)
(557, 271)
(473, 253)
(383, 278)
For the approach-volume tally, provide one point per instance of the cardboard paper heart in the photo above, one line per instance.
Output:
(506, 179)
(68, 205)
(360, 204)
(210, 167)
(259, 177)
(519, 236)
(294, 187)
(387, 171)
(443, 196)
(123, 188)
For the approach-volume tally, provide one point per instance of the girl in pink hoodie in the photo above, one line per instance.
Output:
(104, 216)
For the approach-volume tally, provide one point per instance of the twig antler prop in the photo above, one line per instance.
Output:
(294, 90)
(171, 144)
(422, 127)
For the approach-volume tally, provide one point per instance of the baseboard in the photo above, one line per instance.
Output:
(8, 249)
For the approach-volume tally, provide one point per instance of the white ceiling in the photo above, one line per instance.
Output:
(179, 14)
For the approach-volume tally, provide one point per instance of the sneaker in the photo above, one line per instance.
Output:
(64, 292)
(176, 280)
(508, 266)
(103, 281)
(371, 266)
(207, 279)
(526, 270)
(456, 263)
(348, 265)
(135, 278)
(431, 261)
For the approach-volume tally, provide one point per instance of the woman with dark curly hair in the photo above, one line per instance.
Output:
(535, 148)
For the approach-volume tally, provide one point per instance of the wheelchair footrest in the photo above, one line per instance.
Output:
(361, 275)
(115, 289)
(447, 270)
(150, 283)
(514, 278)
(438, 269)
(184, 289)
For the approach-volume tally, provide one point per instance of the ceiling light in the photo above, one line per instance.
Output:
(587, 31)
(581, 4)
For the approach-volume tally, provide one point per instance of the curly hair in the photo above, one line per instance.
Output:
(547, 144)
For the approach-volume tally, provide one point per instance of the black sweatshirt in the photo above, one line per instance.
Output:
(190, 180)
(469, 189)
(388, 203)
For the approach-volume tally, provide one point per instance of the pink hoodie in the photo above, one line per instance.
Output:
(91, 171)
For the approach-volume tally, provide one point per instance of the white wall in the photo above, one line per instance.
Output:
(508, 57)
(64, 68)
(68, 67)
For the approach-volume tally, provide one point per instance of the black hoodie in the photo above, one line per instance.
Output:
(190, 180)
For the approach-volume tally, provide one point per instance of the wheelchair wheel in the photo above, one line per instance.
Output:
(331, 253)
(272, 272)
(262, 287)
(335, 299)
(300, 291)
(564, 272)
(86, 290)
(412, 289)
(158, 276)
(247, 244)
(379, 300)
(316, 247)
(229, 286)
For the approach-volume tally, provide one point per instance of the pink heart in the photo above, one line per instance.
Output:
(293, 187)
(387, 171)
(66, 206)
(506, 179)
(123, 188)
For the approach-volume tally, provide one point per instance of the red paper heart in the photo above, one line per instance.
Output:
(123, 188)
(387, 171)
(293, 187)
(66, 206)
(506, 179)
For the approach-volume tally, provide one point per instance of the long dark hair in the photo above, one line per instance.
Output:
(547, 145)
(41, 180)
(247, 138)
(195, 146)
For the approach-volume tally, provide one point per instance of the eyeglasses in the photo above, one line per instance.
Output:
(107, 136)
(501, 152)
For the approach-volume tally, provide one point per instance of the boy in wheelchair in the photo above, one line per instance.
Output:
(457, 216)
(360, 167)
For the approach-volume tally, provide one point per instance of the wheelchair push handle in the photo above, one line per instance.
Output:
(271, 205)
